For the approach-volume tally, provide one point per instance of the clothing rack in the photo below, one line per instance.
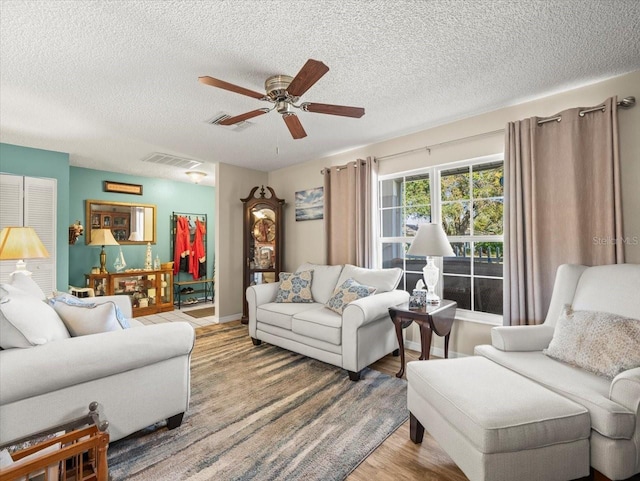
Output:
(190, 216)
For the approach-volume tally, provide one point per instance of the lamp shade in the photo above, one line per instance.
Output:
(430, 241)
(18, 243)
(102, 237)
(136, 236)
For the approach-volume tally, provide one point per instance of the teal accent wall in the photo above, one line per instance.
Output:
(168, 196)
(18, 160)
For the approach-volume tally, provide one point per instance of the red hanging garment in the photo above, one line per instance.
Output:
(181, 250)
(198, 266)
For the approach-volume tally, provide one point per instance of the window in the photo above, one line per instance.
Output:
(467, 198)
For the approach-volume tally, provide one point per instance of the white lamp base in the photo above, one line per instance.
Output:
(431, 274)
(21, 268)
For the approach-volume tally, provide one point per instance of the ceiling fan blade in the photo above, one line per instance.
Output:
(309, 74)
(242, 117)
(294, 126)
(342, 110)
(221, 84)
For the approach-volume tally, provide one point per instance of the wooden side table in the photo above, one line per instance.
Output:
(438, 319)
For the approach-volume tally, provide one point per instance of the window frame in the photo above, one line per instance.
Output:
(434, 172)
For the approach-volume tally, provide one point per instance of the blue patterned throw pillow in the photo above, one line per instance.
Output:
(295, 287)
(349, 291)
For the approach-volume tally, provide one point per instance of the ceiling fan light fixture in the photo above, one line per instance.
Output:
(276, 87)
(196, 176)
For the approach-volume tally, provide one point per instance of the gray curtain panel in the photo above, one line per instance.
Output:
(348, 210)
(562, 204)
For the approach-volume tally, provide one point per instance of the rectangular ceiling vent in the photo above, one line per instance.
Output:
(220, 116)
(172, 160)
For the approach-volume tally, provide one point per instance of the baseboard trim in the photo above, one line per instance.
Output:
(435, 351)
(232, 317)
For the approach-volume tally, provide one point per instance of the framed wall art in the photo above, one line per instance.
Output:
(310, 204)
(122, 188)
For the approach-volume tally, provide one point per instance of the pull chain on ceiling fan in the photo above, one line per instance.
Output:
(283, 92)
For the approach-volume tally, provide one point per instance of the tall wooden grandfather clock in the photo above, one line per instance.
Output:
(263, 240)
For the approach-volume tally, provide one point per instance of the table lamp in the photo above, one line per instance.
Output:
(102, 237)
(19, 243)
(431, 241)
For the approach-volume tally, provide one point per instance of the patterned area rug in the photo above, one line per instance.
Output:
(264, 413)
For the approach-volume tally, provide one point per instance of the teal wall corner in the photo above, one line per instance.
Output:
(18, 160)
(168, 197)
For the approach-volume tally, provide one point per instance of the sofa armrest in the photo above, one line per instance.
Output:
(123, 302)
(368, 309)
(76, 360)
(522, 338)
(256, 296)
(625, 389)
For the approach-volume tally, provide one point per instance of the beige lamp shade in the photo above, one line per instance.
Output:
(136, 236)
(430, 241)
(19, 243)
(102, 237)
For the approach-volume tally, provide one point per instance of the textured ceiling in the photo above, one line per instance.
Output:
(113, 82)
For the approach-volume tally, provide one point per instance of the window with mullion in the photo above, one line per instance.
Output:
(468, 200)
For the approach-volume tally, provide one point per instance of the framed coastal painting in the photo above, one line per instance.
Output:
(310, 204)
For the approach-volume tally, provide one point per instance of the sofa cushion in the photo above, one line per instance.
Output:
(607, 417)
(295, 287)
(280, 313)
(349, 291)
(27, 321)
(321, 324)
(325, 279)
(603, 343)
(83, 318)
(383, 280)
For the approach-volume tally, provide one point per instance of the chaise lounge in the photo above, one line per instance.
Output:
(514, 411)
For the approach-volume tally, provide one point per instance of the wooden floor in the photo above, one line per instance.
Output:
(398, 457)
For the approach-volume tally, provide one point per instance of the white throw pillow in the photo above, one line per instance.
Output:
(384, 280)
(84, 318)
(27, 321)
(349, 291)
(600, 342)
(325, 279)
(27, 284)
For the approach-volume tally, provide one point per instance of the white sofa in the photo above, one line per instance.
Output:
(554, 420)
(139, 376)
(362, 335)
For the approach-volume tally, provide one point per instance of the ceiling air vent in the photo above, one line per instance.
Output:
(220, 116)
(172, 160)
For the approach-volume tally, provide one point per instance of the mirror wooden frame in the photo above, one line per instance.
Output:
(93, 206)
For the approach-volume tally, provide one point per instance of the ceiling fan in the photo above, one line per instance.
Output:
(283, 92)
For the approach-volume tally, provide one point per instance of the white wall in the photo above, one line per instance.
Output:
(304, 241)
(234, 184)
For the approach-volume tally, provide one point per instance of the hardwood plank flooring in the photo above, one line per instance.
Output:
(398, 457)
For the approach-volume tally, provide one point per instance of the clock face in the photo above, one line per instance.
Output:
(264, 230)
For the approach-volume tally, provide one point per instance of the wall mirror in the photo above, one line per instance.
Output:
(130, 223)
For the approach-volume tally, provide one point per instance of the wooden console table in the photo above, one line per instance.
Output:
(151, 292)
(438, 319)
(207, 289)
